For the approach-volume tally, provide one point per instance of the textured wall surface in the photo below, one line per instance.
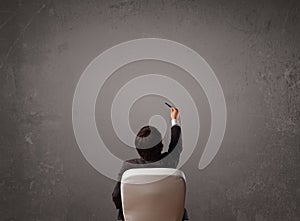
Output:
(254, 49)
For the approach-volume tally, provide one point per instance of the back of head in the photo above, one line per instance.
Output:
(148, 143)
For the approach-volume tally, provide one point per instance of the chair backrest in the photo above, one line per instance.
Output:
(153, 194)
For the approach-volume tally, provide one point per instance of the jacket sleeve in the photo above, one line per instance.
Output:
(116, 196)
(175, 147)
(176, 140)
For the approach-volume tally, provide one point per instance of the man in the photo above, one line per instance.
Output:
(149, 145)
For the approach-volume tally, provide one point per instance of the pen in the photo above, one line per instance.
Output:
(168, 105)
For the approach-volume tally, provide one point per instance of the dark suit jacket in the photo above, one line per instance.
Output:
(168, 159)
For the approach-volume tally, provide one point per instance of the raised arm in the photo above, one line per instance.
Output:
(175, 145)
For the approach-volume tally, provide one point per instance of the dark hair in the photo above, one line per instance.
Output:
(148, 143)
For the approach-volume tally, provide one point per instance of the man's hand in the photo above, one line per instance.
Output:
(174, 113)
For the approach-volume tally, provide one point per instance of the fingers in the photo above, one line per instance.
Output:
(174, 109)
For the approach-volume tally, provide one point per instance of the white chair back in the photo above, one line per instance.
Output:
(153, 194)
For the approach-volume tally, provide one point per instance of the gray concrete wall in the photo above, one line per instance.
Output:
(253, 47)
